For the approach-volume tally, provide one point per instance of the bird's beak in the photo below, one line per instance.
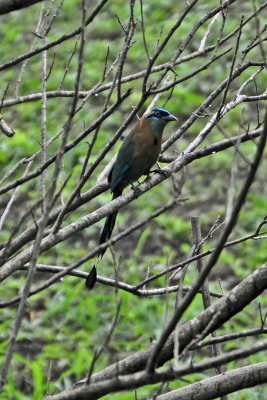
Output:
(170, 118)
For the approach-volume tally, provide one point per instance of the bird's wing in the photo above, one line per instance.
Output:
(118, 175)
(123, 162)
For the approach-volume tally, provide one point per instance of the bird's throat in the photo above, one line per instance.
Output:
(157, 129)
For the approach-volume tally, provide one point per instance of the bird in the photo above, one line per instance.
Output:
(137, 154)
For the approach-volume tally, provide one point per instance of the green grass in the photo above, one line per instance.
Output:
(63, 325)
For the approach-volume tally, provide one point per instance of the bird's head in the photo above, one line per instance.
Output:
(161, 115)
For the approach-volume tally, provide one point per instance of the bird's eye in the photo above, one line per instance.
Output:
(157, 113)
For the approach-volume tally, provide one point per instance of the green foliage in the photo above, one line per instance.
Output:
(65, 324)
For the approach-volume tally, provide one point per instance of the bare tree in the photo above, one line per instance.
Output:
(215, 38)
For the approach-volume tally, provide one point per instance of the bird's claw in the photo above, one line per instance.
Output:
(160, 171)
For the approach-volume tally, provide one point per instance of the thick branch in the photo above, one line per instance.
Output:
(98, 390)
(221, 385)
(223, 310)
(95, 216)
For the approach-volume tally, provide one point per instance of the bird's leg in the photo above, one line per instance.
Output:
(160, 171)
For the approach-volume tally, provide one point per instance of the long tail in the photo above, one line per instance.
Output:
(105, 236)
(107, 231)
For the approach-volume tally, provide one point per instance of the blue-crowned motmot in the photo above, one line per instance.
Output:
(138, 153)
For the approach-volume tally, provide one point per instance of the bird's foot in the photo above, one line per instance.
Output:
(160, 171)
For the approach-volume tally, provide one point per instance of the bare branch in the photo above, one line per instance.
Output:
(56, 42)
(125, 199)
(99, 389)
(229, 305)
(220, 385)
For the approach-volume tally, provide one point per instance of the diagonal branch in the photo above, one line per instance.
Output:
(229, 305)
(220, 385)
(95, 216)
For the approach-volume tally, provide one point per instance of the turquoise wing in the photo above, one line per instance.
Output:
(123, 163)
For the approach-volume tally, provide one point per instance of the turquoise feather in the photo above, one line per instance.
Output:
(138, 153)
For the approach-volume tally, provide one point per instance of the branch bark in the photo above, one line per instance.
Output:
(95, 216)
(213, 317)
(221, 385)
(98, 390)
